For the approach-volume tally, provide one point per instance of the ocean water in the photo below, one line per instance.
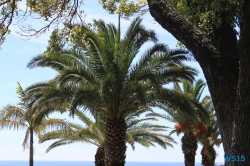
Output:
(86, 163)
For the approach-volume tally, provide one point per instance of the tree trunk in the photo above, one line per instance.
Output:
(31, 148)
(189, 148)
(99, 157)
(115, 146)
(225, 64)
(241, 141)
(208, 159)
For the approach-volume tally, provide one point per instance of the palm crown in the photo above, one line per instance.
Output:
(24, 116)
(104, 71)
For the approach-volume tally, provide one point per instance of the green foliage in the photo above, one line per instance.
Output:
(55, 43)
(189, 110)
(98, 64)
(52, 12)
(211, 137)
(124, 7)
(203, 13)
(8, 10)
(209, 14)
(194, 91)
(91, 130)
(205, 105)
(47, 8)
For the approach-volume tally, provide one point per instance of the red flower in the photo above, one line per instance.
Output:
(178, 127)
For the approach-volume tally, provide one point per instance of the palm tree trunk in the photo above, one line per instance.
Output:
(31, 148)
(115, 147)
(208, 158)
(189, 147)
(100, 157)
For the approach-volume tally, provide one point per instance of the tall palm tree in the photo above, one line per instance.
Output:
(102, 67)
(24, 116)
(139, 131)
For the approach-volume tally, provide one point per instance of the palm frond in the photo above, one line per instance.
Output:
(198, 89)
(52, 124)
(26, 138)
(57, 144)
(9, 124)
(11, 112)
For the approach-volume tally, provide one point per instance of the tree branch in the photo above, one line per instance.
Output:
(4, 2)
(6, 19)
(52, 13)
(183, 30)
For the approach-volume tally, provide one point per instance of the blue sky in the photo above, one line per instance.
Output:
(17, 52)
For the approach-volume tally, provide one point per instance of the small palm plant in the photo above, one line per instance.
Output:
(92, 131)
(24, 116)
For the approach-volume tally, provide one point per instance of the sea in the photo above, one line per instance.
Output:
(89, 163)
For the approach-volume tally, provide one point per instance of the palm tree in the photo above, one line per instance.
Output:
(187, 125)
(190, 119)
(210, 138)
(24, 116)
(189, 140)
(102, 67)
(139, 131)
(207, 134)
